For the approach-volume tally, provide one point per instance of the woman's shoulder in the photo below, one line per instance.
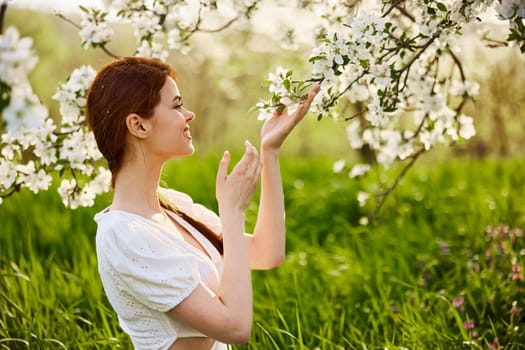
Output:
(126, 227)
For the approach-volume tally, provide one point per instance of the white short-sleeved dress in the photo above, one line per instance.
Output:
(147, 270)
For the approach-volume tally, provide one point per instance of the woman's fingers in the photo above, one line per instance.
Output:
(235, 189)
(247, 166)
(249, 159)
(222, 172)
(305, 105)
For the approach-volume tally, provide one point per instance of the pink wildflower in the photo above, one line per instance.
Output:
(469, 324)
(457, 302)
(503, 230)
(516, 272)
(494, 345)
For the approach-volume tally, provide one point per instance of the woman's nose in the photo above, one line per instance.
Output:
(189, 115)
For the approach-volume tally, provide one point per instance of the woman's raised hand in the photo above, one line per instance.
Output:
(234, 190)
(276, 129)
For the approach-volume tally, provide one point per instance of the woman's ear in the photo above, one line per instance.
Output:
(137, 126)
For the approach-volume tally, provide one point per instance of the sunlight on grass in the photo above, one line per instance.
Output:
(443, 269)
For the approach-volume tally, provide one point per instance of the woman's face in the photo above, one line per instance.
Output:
(170, 122)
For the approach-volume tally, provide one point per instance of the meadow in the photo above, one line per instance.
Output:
(443, 267)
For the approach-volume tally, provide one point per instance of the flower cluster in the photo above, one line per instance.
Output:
(401, 71)
(285, 95)
(33, 147)
(390, 63)
(76, 144)
(33, 151)
(513, 11)
(160, 25)
(19, 106)
(95, 30)
(24, 118)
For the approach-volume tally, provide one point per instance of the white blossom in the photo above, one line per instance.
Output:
(362, 198)
(152, 50)
(94, 28)
(72, 96)
(359, 170)
(17, 57)
(339, 166)
(509, 8)
(7, 173)
(24, 109)
(468, 88)
(466, 128)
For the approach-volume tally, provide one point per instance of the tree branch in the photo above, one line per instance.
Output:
(3, 9)
(458, 64)
(383, 196)
(395, 4)
(61, 16)
(218, 29)
(78, 26)
(14, 189)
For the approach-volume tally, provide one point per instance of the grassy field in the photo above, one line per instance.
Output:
(444, 268)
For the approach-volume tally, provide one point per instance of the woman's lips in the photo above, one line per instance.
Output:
(187, 133)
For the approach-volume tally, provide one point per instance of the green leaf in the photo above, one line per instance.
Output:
(316, 58)
(287, 84)
(5, 95)
(84, 9)
(441, 6)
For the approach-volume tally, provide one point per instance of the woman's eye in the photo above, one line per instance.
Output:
(178, 106)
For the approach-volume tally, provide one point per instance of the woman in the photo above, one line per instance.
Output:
(177, 274)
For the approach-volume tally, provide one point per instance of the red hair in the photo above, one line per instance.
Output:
(127, 85)
(130, 85)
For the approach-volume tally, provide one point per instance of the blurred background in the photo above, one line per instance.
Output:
(419, 279)
(220, 78)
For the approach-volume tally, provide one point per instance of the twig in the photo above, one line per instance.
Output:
(405, 13)
(16, 188)
(102, 46)
(494, 42)
(60, 15)
(384, 195)
(356, 115)
(218, 29)
(458, 64)
(395, 3)
(109, 53)
(2, 15)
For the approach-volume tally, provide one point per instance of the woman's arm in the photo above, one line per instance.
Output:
(227, 317)
(266, 246)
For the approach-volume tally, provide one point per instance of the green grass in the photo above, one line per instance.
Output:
(343, 286)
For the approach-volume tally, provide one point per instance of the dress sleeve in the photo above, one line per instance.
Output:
(153, 267)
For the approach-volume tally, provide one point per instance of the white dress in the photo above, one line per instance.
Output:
(146, 270)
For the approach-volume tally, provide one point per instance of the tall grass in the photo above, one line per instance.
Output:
(437, 272)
